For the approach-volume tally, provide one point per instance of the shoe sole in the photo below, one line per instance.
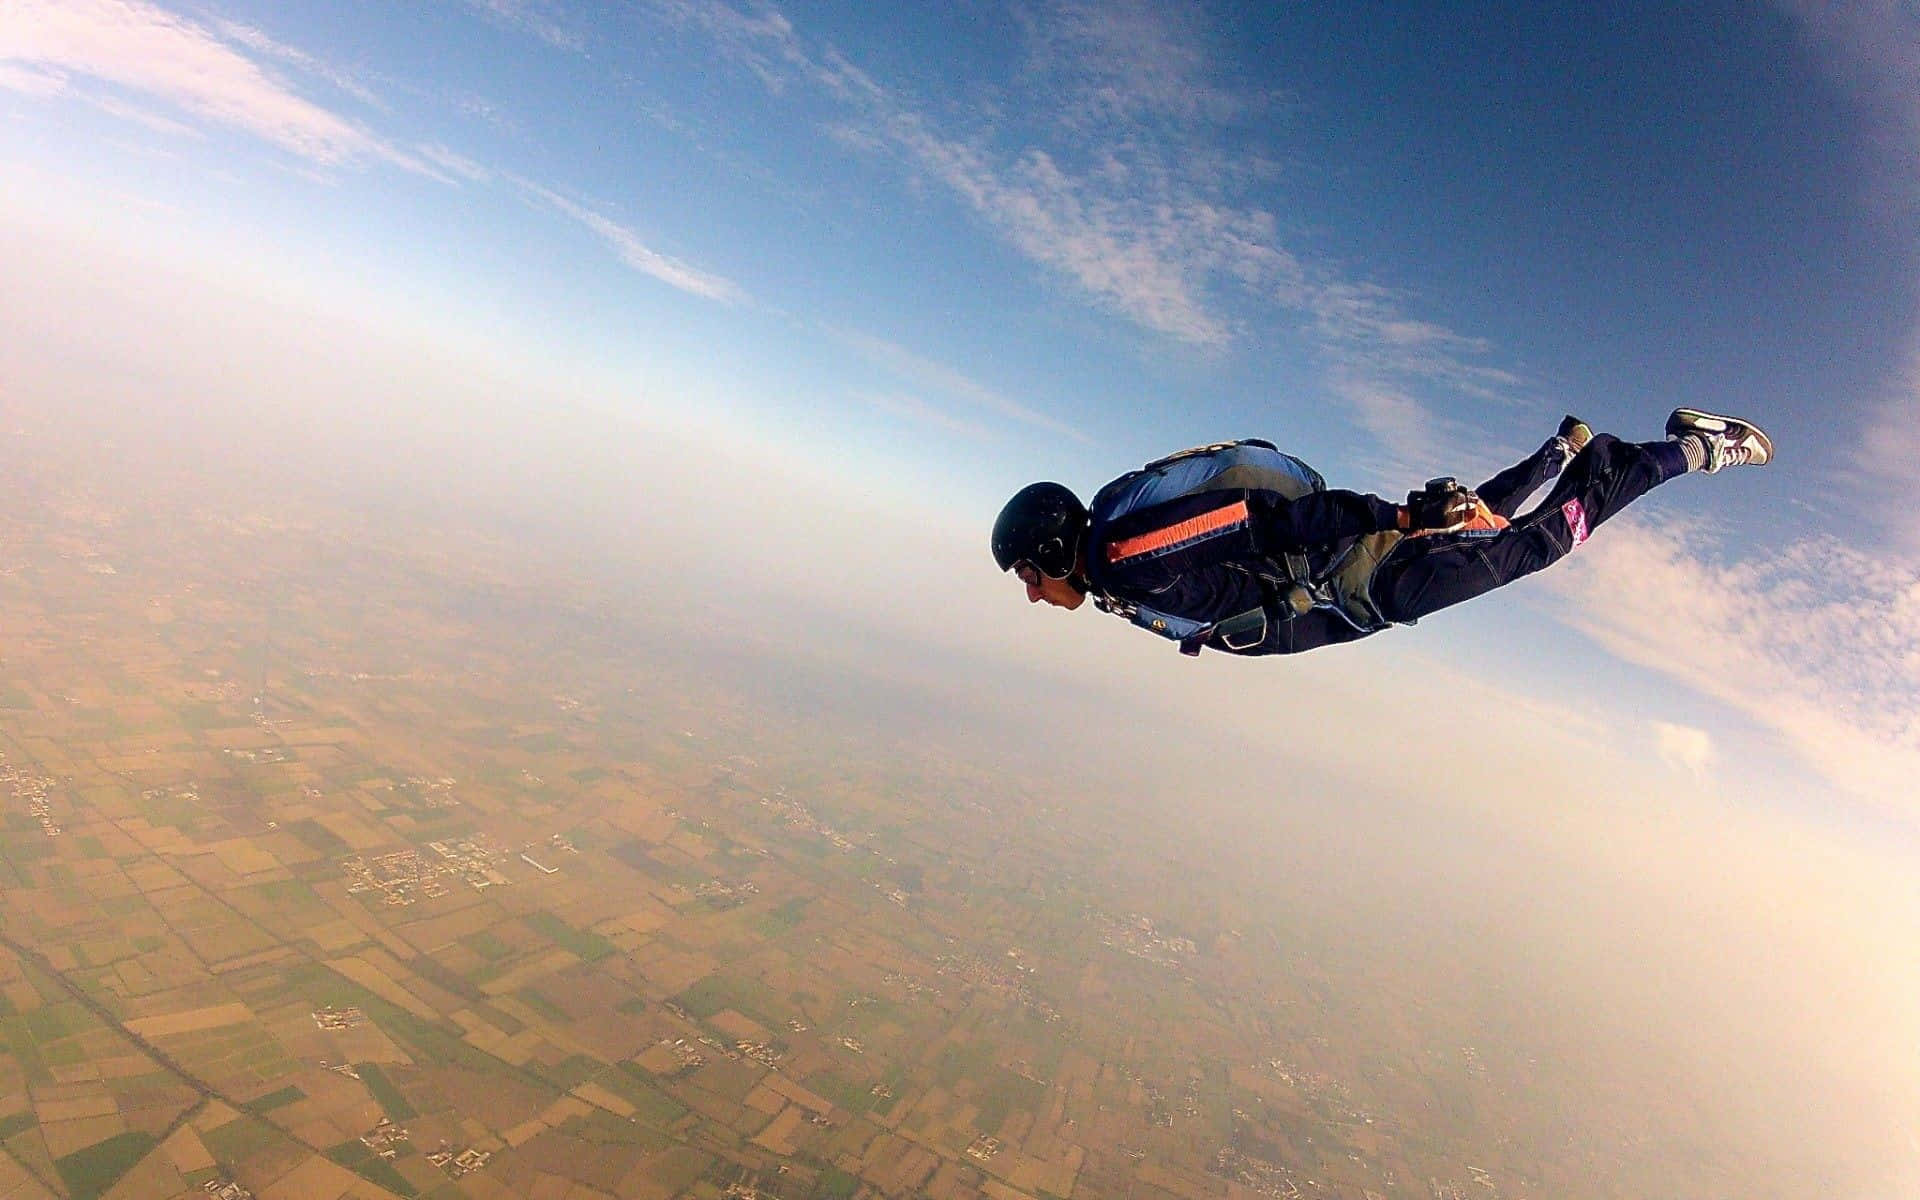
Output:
(1694, 420)
(1574, 432)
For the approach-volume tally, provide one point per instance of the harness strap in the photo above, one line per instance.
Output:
(1225, 519)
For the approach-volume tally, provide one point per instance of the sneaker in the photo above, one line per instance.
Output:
(1730, 442)
(1571, 438)
(1574, 432)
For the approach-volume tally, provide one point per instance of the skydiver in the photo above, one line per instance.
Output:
(1242, 548)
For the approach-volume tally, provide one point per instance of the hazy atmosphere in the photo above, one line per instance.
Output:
(695, 344)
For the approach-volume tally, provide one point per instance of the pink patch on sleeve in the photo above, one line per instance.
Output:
(1576, 515)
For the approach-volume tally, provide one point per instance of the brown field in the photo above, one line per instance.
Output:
(601, 1097)
(374, 980)
(150, 877)
(1033, 1174)
(196, 1020)
(327, 736)
(646, 920)
(242, 857)
(163, 840)
(528, 972)
(318, 1179)
(333, 935)
(557, 1112)
(430, 933)
(186, 1151)
(365, 1043)
(764, 1099)
(1188, 1184)
(152, 1177)
(77, 1073)
(782, 1134)
(139, 761)
(737, 1025)
(64, 1137)
(354, 832)
(121, 1066)
(90, 1101)
(781, 1085)
(672, 968)
(661, 1060)
(228, 941)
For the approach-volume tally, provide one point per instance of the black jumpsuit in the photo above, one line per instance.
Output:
(1217, 578)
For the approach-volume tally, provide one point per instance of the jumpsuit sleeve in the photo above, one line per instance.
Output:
(1318, 518)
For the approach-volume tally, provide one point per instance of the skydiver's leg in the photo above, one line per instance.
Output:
(1508, 490)
(1426, 574)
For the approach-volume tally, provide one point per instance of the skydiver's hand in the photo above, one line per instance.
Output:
(1441, 507)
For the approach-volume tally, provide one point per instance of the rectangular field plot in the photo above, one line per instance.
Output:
(91, 1171)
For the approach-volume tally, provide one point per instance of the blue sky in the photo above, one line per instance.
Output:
(979, 243)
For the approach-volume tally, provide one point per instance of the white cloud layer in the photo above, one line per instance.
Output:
(31, 82)
(1817, 642)
(106, 52)
(135, 46)
(635, 253)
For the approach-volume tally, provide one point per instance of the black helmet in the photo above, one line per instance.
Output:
(1043, 525)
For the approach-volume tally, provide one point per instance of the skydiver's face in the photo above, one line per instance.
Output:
(1057, 592)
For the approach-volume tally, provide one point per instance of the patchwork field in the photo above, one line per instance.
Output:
(394, 862)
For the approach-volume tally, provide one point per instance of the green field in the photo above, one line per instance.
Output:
(717, 993)
(487, 945)
(90, 1172)
(587, 946)
(272, 1100)
(390, 1098)
(355, 1157)
(782, 919)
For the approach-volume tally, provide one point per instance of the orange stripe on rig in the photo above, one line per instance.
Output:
(1185, 531)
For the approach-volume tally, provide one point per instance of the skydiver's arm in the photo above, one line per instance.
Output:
(1318, 518)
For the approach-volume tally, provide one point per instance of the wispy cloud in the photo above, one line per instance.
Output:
(1127, 61)
(141, 116)
(130, 48)
(1872, 51)
(951, 382)
(635, 253)
(30, 81)
(918, 411)
(1883, 462)
(1816, 641)
(142, 49)
(1127, 223)
(1875, 48)
(541, 18)
(1405, 436)
(260, 42)
(456, 164)
(1127, 189)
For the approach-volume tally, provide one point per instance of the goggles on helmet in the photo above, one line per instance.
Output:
(1050, 553)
